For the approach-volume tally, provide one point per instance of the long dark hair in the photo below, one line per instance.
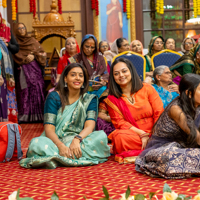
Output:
(187, 89)
(64, 91)
(114, 88)
(119, 42)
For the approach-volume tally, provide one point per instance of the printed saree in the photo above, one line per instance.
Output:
(44, 153)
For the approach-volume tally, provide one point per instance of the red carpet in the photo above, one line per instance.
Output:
(73, 183)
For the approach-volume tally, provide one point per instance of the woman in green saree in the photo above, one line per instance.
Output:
(156, 44)
(70, 115)
(188, 63)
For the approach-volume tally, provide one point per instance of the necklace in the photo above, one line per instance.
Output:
(131, 99)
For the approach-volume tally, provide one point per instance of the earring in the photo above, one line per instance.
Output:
(82, 86)
(65, 85)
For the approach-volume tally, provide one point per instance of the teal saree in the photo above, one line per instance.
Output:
(44, 153)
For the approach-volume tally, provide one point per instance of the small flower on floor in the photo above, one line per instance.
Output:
(170, 195)
(13, 196)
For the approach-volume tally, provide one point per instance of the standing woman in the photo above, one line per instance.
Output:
(114, 21)
(133, 107)
(156, 44)
(30, 83)
(94, 63)
(71, 49)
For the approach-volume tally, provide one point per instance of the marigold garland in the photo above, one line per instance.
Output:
(34, 8)
(4, 3)
(16, 5)
(124, 5)
(198, 7)
(60, 6)
(95, 6)
(128, 9)
(160, 6)
(195, 8)
(31, 5)
(13, 4)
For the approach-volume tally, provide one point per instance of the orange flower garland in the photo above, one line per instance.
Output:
(13, 3)
(128, 9)
(4, 3)
(195, 8)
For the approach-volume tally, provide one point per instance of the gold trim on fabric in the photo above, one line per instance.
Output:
(91, 114)
(113, 106)
(72, 60)
(50, 118)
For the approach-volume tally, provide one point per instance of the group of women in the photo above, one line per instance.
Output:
(155, 122)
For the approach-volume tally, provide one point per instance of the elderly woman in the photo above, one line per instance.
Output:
(170, 44)
(163, 78)
(122, 45)
(156, 45)
(69, 138)
(103, 46)
(187, 44)
(94, 63)
(71, 49)
(30, 83)
(173, 150)
(188, 63)
(137, 47)
(133, 107)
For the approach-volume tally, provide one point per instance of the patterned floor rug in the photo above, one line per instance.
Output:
(73, 183)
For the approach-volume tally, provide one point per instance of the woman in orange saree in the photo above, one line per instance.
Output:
(133, 106)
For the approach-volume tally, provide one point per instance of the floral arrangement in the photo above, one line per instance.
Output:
(32, 7)
(168, 194)
(160, 6)
(4, 3)
(13, 4)
(95, 6)
(124, 5)
(128, 9)
(60, 6)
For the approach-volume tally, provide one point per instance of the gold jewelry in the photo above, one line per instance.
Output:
(131, 99)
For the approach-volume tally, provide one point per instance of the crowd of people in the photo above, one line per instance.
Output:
(99, 100)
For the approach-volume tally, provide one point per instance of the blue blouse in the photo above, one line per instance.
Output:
(165, 95)
(53, 104)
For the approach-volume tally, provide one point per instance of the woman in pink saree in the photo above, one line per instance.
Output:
(114, 21)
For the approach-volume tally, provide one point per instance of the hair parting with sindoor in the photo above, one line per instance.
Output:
(64, 91)
(114, 88)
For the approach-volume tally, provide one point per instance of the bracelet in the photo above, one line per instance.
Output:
(144, 135)
(59, 144)
(79, 137)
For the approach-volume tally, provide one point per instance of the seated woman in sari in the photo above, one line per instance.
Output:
(122, 45)
(29, 77)
(170, 44)
(187, 44)
(156, 45)
(133, 106)
(103, 46)
(69, 138)
(71, 49)
(173, 149)
(94, 63)
(137, 47)
(163, 79)
(188, 63)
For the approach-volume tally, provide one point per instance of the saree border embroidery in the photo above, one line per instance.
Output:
(113, 106)
(50, 118)
(72, 60)
(91, 114)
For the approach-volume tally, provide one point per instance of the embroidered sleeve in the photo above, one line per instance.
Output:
(92, 110)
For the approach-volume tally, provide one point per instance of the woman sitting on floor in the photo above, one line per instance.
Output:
(163, 78)
(173, 150)
(133, 106)
(71, 49)
(94, 63)
(69, 138)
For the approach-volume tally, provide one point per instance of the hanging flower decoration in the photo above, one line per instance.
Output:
(60, 6)
(95, 6)
(16, 6)
(128, 9)
(4, 3)
(124, 5)
(160, 6)
(31, 5)
(195, 8)
(13, 4)
(198, 7)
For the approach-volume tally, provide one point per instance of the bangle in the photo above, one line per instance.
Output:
(79, 137)
(59, 144)
(144, 135)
